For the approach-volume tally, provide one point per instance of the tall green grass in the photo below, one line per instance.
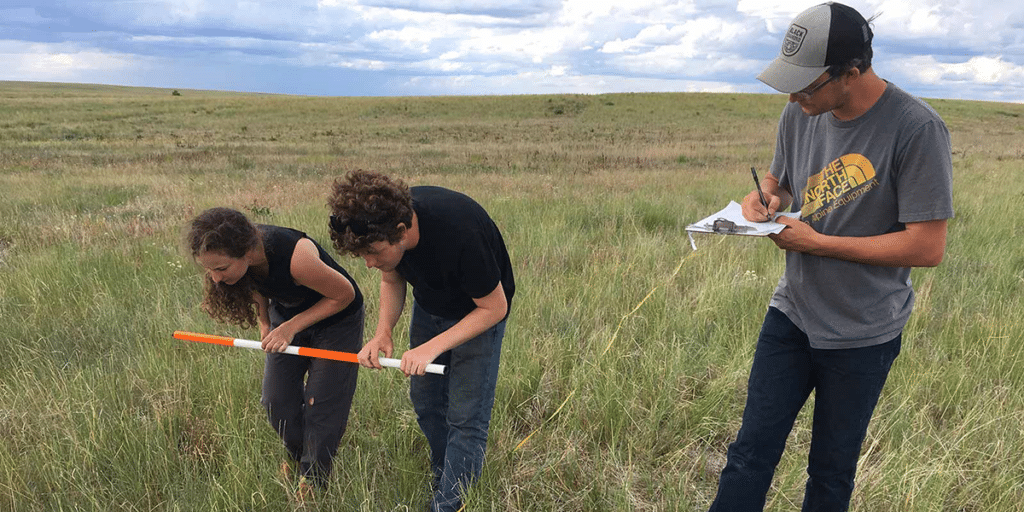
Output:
(625, 362)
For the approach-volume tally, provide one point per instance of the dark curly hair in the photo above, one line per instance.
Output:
(229, 232)
(367, 207)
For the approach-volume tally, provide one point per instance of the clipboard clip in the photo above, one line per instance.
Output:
(726, 226)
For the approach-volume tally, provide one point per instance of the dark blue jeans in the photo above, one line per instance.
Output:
(454, 410)
(846, 383)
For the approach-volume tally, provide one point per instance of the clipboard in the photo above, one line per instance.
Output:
(730, 221)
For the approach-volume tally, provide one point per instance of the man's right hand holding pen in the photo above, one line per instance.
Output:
(798, 236)
(775, 199)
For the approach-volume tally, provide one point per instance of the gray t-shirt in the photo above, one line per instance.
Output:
(869, 176)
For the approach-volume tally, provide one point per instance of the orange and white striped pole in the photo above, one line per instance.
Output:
(347, 357)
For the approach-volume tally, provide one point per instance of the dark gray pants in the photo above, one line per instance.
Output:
(308, 399)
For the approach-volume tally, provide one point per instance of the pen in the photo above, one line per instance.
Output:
(757, 185)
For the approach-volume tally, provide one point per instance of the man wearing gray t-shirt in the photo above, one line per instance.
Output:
(869, 168)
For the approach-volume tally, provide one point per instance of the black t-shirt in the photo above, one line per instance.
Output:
(279, 286)
(460, 255)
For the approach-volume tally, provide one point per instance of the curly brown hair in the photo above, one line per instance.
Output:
(231, 233)
(367, 207)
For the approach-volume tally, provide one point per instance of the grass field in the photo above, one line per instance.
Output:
(626, 357)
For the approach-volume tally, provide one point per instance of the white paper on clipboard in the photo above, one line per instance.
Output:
(733, 212)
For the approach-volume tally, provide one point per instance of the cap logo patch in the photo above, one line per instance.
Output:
(794, 40)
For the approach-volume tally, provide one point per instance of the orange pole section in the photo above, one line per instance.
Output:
(347, 357)
(204, 338)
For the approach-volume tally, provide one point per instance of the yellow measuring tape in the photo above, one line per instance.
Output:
(611, 341)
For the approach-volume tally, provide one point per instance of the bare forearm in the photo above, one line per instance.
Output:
(324, 308)
(770, 186)
(262, 313)
(920, 244)
(489, 310)
(472, 325)
(392, 302)
(889, 250)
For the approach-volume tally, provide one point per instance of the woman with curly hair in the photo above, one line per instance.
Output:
(283, 281)
(447, 247)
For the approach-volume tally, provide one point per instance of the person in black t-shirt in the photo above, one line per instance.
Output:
(284, 282)
(446, 246)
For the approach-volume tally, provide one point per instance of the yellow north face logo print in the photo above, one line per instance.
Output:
(835, 181)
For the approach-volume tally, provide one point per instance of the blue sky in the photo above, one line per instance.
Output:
(961, 49)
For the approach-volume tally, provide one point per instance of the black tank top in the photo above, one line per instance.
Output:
(279, 286)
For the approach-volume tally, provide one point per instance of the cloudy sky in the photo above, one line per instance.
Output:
(966, 49)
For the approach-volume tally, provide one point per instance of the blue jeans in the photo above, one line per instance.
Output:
(847, 384)
(454, 410)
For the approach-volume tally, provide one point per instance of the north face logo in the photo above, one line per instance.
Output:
(794, 40)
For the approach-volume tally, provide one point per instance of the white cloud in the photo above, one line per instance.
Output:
(365, 64)
(648, 36)
(603, 12)
(705, 48)
(526, 47)
(550, 82)
(775, 15)
(495, 8)
(580, 45)
(980, 70)
(703, 35)
(58, 62)
(409, 38)
(896, 21)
